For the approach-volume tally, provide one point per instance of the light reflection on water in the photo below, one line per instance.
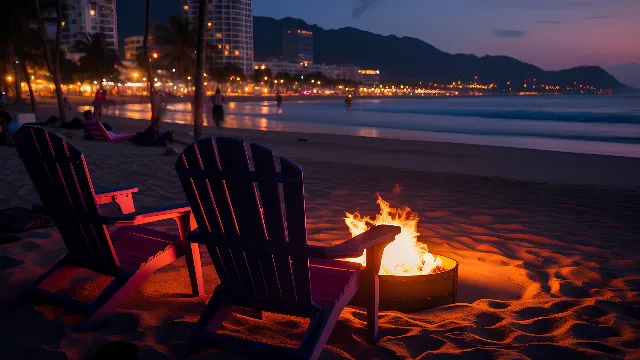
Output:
(330, 117)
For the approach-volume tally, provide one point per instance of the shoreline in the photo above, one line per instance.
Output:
(530, 165)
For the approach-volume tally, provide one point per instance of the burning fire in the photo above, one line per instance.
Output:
(405, 256)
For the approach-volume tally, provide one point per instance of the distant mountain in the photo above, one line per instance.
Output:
(411, 59)
(628, 74)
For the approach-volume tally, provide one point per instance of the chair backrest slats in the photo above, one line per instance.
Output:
(244, 204)
(248, 208)
(264, 164)
(296, 228)
(60, 175)
(234, 260)
(198, 193)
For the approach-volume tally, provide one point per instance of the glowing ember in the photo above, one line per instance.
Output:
(405, 256)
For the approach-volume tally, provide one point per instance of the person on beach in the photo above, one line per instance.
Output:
(278, 99)
(98, 102)
(153, 135)
(88, 116)
(218, 111)
(67, 103)
(349, 100)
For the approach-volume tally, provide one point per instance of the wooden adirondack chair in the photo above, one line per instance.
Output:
(98, 132)
(130, 254)
(262, 257)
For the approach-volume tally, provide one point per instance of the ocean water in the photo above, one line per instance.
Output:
(605, 125)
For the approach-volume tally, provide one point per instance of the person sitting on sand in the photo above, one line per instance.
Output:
(88, 116)
(153, 135)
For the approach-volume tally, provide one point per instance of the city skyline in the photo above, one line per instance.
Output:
(549, 34)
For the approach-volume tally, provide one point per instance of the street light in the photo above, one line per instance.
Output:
(155, 55)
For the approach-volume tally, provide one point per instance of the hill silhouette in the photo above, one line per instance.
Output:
(412, 60)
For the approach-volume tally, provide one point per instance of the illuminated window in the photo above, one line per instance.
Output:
(226, 47)
(209, 24)
(186, 7)
(63, 23)
(236, 52)
(218, 36)
(219, 46)
(226, 53)
(92, 12)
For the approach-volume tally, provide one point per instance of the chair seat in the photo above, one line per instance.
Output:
(330, 279)
(136, 245)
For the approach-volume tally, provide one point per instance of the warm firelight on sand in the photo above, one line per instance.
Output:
(405, 256)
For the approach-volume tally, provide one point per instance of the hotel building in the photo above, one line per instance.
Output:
(89, 16)
(229, 27)
(297, 46)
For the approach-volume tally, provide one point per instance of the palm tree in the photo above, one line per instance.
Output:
(222, 74)
(14, 26)
(146, 59)
(99, 60)
(30, 54)
(54, 68)
(198, 101)
(178, 40)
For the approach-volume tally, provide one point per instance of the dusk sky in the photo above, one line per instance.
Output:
(552, 34)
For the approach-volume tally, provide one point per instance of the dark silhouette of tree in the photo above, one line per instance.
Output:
(178, 40)
(223, 74)
(14, 27)
(198, 101)
(259, 75)
(52, 64)
(98, 60)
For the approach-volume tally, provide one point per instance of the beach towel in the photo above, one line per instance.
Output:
(18, 219)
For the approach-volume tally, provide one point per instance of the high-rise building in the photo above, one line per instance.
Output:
(89, 16)
(229, 27)
(297, 46)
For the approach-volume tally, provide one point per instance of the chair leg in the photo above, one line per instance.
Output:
(373, 303)
(191, 254)
(125, 203)
(210, 321)
(113, 295)
(194, 267)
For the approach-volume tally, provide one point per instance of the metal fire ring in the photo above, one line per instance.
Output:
(418, 292)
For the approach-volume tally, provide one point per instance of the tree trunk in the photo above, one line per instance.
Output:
(27, 78)
(198, 101)
(47, 55)
(5, 83)
(16, 80)
(56, 76)
(145, 45)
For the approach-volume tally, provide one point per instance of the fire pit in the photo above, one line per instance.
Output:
(411, 278)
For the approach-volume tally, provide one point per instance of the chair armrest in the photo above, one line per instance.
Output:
(106, 196)
(354, 247)
(144, 217)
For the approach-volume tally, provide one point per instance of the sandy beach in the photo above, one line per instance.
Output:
(546, 241)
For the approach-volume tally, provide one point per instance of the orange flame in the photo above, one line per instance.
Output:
(405, 256)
